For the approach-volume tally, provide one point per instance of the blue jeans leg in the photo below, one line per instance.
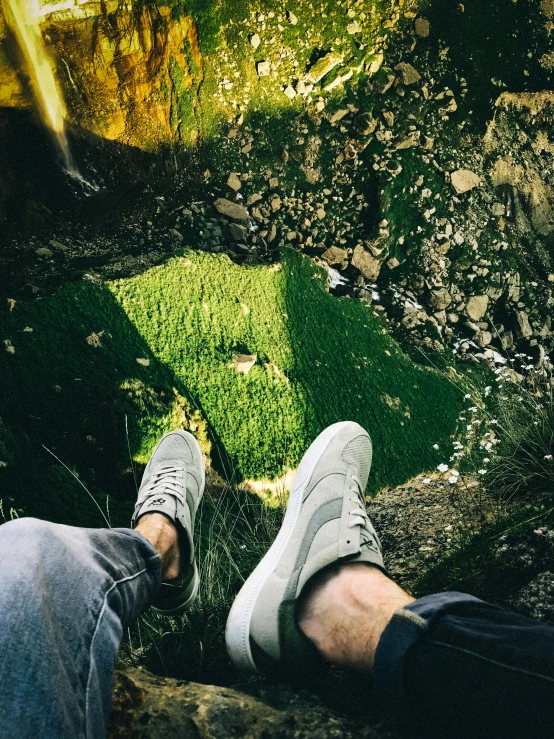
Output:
(453, 665)
(65, 596)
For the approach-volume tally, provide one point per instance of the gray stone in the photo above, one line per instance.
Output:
(233, 211)
(237, 232)
(255, 40)
(464, 180)
(367, 264)
(263, 69)
(523, 328)
(234, 182)
(244, 362)
(477, 306)
(365, 123)
(407, 74)
(422, 27)
(439, 298)
(334, 255)
(323, 66)
(507, 340)
(44, 252)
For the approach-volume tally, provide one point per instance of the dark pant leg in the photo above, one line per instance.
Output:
(65, 595)
(456, 666)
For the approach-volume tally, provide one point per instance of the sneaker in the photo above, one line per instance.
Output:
(173, 484)
(325, 522)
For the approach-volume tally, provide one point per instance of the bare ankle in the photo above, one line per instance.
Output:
(162, 533)
(346, 610)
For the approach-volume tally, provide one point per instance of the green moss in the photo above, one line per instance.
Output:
(319, 360)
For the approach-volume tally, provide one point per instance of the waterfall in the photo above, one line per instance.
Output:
(22, 17)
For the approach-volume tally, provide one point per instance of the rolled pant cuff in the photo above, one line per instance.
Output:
(407, 626)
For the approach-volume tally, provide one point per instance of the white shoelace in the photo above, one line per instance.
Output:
(166, 480)
(360, 514)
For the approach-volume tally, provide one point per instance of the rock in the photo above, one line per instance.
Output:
(484, 338)
(393, 263)
(422, 27)
(338, 115)
(439, 298)
(407, 74)
(233, 211)
(477, 306)
(58, 245)
(244, 362)
(388, 117)
(464, 180)
(151, 707)
(233, 182)
(290, 92)
(365, 123)
(44, 252)
(498, 209)
(366, 263)
(292, 19)
(323, 66)
(255, 40)
(353, 28)
(144, 362)
(8, 346)
(507, 340)
(263, 69)
(237, 232)
(11, 304)
(254, 198)
(334, 255)
(273, 183)
(523, 328)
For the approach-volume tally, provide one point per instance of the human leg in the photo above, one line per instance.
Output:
(448, 662)
(66, 595)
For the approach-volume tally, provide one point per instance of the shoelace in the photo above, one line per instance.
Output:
(360, 514)
(166, 480)
(367, 538)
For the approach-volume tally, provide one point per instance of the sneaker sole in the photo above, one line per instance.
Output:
(187, 605)
(237, 631)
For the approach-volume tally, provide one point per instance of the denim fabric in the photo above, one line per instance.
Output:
(454, 666)
(65, 596)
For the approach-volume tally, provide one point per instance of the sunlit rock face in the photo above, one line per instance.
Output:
(116, 66)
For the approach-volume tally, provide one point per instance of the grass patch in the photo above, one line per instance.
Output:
(74, 382)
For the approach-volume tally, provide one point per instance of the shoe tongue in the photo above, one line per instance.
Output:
(160, 503)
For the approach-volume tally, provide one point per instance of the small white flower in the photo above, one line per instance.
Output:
(486, 459)
(452, 479)
(466, 396)
(548, 456)
(488, 446)
(426, 480)
(493, 420)
(473, 409)
(482, 472)
(442, 467)
(435, 446)
(455, 473)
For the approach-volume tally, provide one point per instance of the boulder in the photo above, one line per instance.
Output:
(233, 211)
(237, 231)
(152, 707)
(366, 263)
(334, 255)
(439, 298)
(234, 182)
(323, 66)
(523, 327)
(477, 306)
(422, 27)
(464, 180)
(407, 74)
